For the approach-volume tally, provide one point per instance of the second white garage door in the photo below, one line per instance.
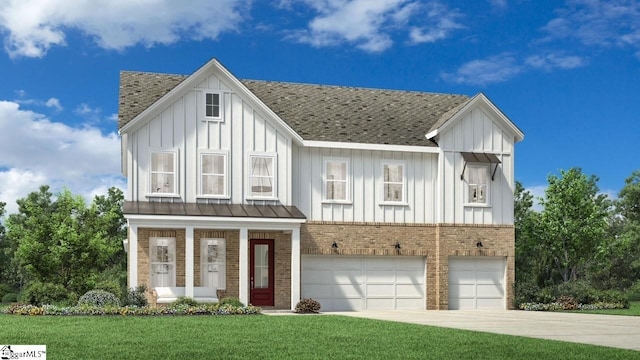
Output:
(476, 283)
(343, 283)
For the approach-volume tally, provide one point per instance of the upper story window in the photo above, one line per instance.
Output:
(164, 175)
(213, 106)
(262, 176)
(336, 180)
(478, 184)
(394, 182)
(213, 174)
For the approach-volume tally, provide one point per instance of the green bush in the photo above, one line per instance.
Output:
(307, 306)
(10, 298)
(634, 292)
(38, 293)
(184, 300)
(98, 298)
(5, 289)
(136, 297)
(233, 301)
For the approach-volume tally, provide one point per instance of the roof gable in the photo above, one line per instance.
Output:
(458, 112)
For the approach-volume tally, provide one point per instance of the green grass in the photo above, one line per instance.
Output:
(633, 310)
(276, 337)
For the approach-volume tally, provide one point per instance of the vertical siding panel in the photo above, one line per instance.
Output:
(488, 133)
(418, 205)
(370, 196)
(357, 185)
(214, 134)
(316, 184)
(224, 86)
(155, 132)
(237, 157)
(431, 176)
(283, 166)
(270, 138)
(249, 124)
(132, 168)
(213, 82)
(142, 151)
(202, 126)
(304, 180)
(225, 129)
(295, 176)
(191, 145)
(204, 84)
(259, 135)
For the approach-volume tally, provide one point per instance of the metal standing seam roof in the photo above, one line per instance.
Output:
(319, 112)
(214, 210)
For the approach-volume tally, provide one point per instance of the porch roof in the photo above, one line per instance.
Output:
(221, 210)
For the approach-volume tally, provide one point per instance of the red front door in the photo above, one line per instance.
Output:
(261, 264)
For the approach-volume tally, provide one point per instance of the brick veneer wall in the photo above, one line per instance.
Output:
(435, 242)
(282, 261)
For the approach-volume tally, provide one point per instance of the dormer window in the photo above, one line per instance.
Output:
(212, 106)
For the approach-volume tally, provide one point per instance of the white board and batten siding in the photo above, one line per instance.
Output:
(477, 132)
(365, 186)
(343, 283)
(182, 127)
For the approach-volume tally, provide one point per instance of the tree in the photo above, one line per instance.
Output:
(525, 221)
(573, 222)
(64, 242)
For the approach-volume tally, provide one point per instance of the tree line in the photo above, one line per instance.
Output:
(580, 241)
(56, 248)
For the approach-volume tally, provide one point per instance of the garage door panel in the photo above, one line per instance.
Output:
(411, 303)
(379, 290)
(490, 291)
(494, 277)
(347, 263)
(413, 290)
(347, 277)
(347, 291)
(318, 277)
(380, 263)
(463, 291)
(378, 276)
(409, 277)
(491, 304)
(462, 277)
(345, 305)
(317, 291)
(459, 304)
(379, 304)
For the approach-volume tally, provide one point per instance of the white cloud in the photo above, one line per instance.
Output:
(37, 151)
(32, 27)
(503, 67)
(597, 23)
(53, 103)
(498, 4)
(552, 61)
(369, 25)
(493, 69)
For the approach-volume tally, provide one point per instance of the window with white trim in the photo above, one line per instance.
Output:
(213, 174)
(162, 255)
(163, 172)
(393, 182)
(213, 263)
(336, 180)
(212, 105)
(477, 184)
(262, 176)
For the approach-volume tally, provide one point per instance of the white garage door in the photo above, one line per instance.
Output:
(357, 283)
(476, 283)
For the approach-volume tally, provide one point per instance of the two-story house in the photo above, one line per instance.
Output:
(358, 198)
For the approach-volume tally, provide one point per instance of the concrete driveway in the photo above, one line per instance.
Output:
(605, 330)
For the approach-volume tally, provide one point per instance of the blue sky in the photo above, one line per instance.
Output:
(567, 73)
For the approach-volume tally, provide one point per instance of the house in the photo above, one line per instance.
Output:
(358, 198)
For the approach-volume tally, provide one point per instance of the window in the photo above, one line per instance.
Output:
(163, 172)
(262, 176)
(213, 263)
(336, 181)
(477, 184)
(212, 107)
(163, 258)
(393, 182)
(213, 174)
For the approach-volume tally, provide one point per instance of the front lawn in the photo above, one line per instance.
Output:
(275, 337)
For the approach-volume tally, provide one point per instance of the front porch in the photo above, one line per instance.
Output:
(256, 259)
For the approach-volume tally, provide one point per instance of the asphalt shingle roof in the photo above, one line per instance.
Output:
(319, 112)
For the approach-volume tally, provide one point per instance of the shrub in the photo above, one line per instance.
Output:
(307, 306)
(184, 300)
(567, 302)
(136, 297)
(38, 293)
(233, 301)
(634, 292)
(10, 298)
(98, 298)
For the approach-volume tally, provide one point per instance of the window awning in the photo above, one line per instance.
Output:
(479, 157)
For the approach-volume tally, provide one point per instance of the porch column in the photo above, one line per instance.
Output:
(133, 256)
(188, 262)
(244, 266)
(295, 267)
